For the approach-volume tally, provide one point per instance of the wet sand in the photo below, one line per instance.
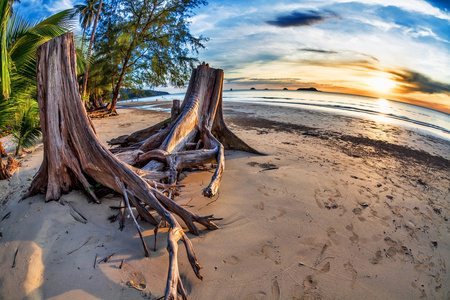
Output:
(339, 208)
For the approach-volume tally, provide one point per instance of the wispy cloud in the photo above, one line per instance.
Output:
(59, 5)
(321, 51)
(296, 18)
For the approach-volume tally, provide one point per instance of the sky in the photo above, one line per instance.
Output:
(391, 49)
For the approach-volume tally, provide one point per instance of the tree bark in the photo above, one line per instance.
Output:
(74, 157)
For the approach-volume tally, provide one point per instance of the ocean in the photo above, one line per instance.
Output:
(424, 119)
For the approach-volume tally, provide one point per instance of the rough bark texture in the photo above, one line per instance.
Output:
(74, 158)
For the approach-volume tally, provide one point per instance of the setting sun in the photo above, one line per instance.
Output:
(382, 84)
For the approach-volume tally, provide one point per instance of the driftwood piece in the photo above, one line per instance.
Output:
(8, 168)
(74, 157)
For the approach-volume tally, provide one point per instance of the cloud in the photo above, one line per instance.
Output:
(417, 82)
(318, 51)
(57, 6)
(296, 19)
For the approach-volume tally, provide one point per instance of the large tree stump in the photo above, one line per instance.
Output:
(74, 158)
(195, 137)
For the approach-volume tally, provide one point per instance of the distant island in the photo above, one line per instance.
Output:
(130, 94)
(311, 89)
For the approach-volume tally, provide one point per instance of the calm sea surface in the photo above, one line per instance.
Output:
(390, 111)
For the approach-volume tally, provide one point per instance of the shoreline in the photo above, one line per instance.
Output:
(340, 207)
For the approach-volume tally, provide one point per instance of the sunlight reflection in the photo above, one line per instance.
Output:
(382, 84)
(383, 106)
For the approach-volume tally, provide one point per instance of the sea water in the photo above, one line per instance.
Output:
(429, 120)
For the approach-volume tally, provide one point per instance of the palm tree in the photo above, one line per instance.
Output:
(87, 12)
(19, 40)
(91, 43)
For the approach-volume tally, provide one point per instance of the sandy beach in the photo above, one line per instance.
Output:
(341, 207)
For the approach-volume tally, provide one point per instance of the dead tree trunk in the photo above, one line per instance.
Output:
(75, 158)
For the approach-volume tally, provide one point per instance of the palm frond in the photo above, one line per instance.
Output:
(6, 113)
(5, 12)
(26, 130)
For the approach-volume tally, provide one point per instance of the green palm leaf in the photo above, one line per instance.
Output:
(26, 131)
(5, 12)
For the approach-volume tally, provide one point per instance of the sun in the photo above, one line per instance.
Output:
(382, 84)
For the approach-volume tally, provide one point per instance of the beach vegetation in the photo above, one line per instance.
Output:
(86, 13)
(26, 129)
(19, 40)
(146, 43)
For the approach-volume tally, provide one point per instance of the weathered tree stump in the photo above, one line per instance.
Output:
(197, 136)
(74, 158)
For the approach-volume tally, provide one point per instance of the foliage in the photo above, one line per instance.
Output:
(26, 130)
(87, 12)
(147, 42)
(19, 40)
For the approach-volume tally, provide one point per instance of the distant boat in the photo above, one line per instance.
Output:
(285, 89)
(252, 88)
(308, 89)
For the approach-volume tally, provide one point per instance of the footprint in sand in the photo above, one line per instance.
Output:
(137, 281)
(326, 268)
(262, 190)
(354, 238)
(396, 248)
(327, 198)
(331, 232)
(377, 258)
(350, 270)
(270, 251)
(232, 260)
(281, 212)
(275, 290)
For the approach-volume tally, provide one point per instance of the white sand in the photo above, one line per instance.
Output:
(307, 221)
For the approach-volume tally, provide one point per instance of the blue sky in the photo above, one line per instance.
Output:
(394, 49)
